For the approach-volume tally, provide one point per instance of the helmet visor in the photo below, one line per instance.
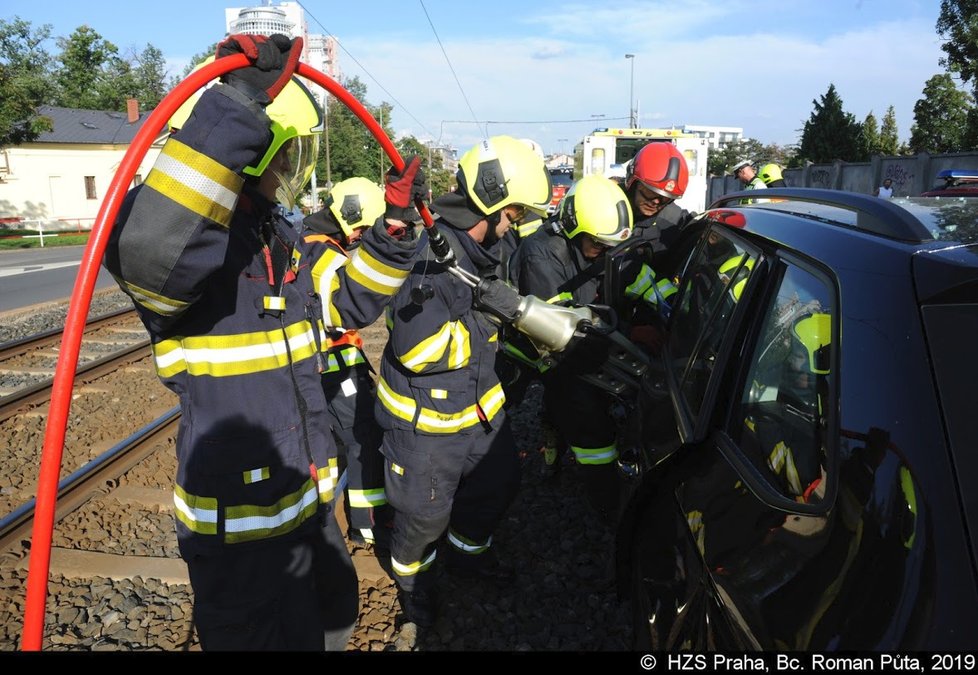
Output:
(294, 171)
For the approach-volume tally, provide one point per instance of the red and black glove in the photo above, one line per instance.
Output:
(403, 188)
(274, 61)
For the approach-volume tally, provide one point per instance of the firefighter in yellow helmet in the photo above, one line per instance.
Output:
(352, 206)
(789, 429)
(451, 463)
(235, 304)
(563, 263)
(770, 173)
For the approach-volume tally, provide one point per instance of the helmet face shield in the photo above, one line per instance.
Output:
(294, 167)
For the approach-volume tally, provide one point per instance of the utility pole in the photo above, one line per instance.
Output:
(631, 93)
(381, 112)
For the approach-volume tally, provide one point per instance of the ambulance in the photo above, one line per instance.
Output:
(607, 152)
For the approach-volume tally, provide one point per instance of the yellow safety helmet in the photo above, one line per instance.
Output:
(597, 206)
(501, 171)
(732, 265)
(770, 172)
(355, 203)
(296, 123)
(814, 332)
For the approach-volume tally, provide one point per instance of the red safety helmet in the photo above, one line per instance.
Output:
(660, 167)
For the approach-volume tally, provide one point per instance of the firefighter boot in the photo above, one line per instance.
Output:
(419, 607)
(603, 489)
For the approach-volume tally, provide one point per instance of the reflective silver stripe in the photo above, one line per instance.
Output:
(288, 514)
(466, 547)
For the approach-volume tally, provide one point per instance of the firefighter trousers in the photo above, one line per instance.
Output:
(292, 594)
(459, 485)
(350, 397)
(582, 415)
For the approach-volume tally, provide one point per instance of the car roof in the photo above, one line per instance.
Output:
(921, 223)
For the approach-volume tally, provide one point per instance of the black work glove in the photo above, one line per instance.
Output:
(496, 297)
(403, 187)
(274, 60)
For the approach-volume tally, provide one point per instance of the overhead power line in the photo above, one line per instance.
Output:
(364, 69)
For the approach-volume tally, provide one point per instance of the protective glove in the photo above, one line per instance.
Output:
(274, 60)
(649, 337)
(498, 298)
(403, 187)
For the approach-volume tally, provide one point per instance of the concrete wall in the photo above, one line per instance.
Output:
(910, 175)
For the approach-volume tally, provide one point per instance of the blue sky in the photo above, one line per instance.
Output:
(529, 68)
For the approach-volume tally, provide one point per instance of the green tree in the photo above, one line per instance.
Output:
(957, 25)
(197, 58)
(440, 179)
(25, 81)
(830, 133)
(870, 137)
(940, 117)
(150, 77)
(352, 149)
(88, 71)
(889, 138)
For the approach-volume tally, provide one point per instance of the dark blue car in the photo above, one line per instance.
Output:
(804, 471)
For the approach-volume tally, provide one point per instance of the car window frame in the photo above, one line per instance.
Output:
(756, 481)
(696, 428)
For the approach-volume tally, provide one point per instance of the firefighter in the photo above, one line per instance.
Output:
(655, 178)
(451, 464)
(235, 306)
(352, 206)
(563, 263)
(771, 175)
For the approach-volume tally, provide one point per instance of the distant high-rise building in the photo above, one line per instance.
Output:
(287, 18)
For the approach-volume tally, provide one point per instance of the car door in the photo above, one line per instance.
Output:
(753, 348)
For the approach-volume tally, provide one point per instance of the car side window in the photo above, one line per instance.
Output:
(782, 417)
(712, 283)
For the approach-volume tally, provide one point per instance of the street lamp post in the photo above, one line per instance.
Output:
(561, 141)
(631, 93)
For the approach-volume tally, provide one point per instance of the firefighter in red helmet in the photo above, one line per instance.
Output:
(655, 178)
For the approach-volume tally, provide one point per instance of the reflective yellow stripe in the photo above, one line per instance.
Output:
(365, 499)
(256, 475)
(196, 182)
(561, 297)
(410, 569)
(152, 301)
(370, 272)
(226, 355)
(199, 514)
(453, 337)
(604, 455)
(326, 281)
(460, 351)
(436, 422)
(327, 478)
(248, 522)
(427, 351)
(397, 405)
(782, 457)
(350, 355)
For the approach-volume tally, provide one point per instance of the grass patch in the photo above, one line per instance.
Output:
(10, 239)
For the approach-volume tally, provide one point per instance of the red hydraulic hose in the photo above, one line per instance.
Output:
(81, 297)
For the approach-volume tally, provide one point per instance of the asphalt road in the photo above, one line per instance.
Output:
(33, 276)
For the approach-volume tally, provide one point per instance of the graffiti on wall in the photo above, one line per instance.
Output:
(820, 178)
(902, 179)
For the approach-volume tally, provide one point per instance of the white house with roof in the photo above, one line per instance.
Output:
(65, 173)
